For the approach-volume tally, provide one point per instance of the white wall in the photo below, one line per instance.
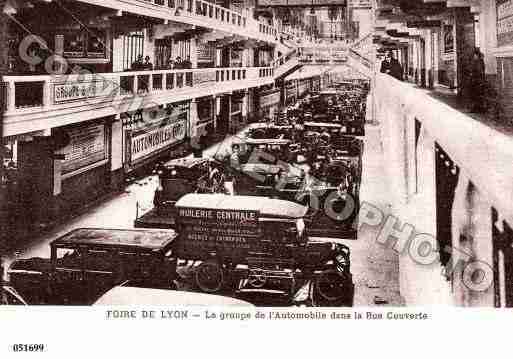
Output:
(478, 150)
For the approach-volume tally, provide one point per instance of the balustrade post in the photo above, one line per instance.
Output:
(11, 95)
(135, 89)
(47, 94)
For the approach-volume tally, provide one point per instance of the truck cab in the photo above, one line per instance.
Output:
(86, 262)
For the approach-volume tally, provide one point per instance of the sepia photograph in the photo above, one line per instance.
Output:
(264, 160)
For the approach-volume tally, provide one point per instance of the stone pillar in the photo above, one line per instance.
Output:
(193, 119)
(488, 35)
(217, 110)
(194, 52)
(218, 58)
(117, 151)
(245, 107)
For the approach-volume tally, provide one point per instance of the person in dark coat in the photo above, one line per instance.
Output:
(391, 66)
(477, 82)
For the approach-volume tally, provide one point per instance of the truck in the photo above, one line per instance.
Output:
(259, 244)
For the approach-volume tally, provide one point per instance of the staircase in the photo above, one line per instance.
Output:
(286, 64)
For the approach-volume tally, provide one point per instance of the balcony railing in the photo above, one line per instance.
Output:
(27, 94)
(197, 12)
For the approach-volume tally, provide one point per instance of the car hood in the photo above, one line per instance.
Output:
(35, 264)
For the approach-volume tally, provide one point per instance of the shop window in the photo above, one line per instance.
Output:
(28, 94)
(133, 47)
(163, 53)
(157, 82)
(126, 85)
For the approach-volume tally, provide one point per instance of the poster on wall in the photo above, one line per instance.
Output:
(448, 39)
(504, 22)
(87, 146)
(205, 53)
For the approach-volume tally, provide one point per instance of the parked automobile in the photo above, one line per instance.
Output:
(9, 296)
(187, 175)
(265, 242)
(86, 262)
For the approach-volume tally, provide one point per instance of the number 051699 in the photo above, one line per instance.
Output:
(28, 347)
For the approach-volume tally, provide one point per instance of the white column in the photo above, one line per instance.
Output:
(194, 52)
(193, 118)
(488, 34)
(116, 161)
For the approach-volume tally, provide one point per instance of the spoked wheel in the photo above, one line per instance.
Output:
(333, 288)
(257, 279)
(209, 276)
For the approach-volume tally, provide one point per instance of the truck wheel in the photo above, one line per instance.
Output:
(332, 288)
(209, 276)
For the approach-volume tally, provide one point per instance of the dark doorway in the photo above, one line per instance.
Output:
(223, 122)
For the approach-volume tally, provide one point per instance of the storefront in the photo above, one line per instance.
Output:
(304, 86)
(155, 134)
(316, 83)
(206, 118)
(62, 35)
(290, 93)
(237, 117)
(269, 103)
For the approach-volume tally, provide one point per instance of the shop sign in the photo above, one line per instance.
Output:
(156, 138)
(76, 91)
(359, 4)
(205, 53)
(270, 99)
(504, 22)
(201, 78)
(226, 228)
(87, 146)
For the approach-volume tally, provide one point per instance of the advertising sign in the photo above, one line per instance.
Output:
(149, 140)
(270, 99)
(504, 22)
(203, 78)
(219, 228)
(86, 146)
(80, 90)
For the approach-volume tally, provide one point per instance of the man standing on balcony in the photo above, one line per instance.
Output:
(391, 66)
(477, 82)
(187, 64)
